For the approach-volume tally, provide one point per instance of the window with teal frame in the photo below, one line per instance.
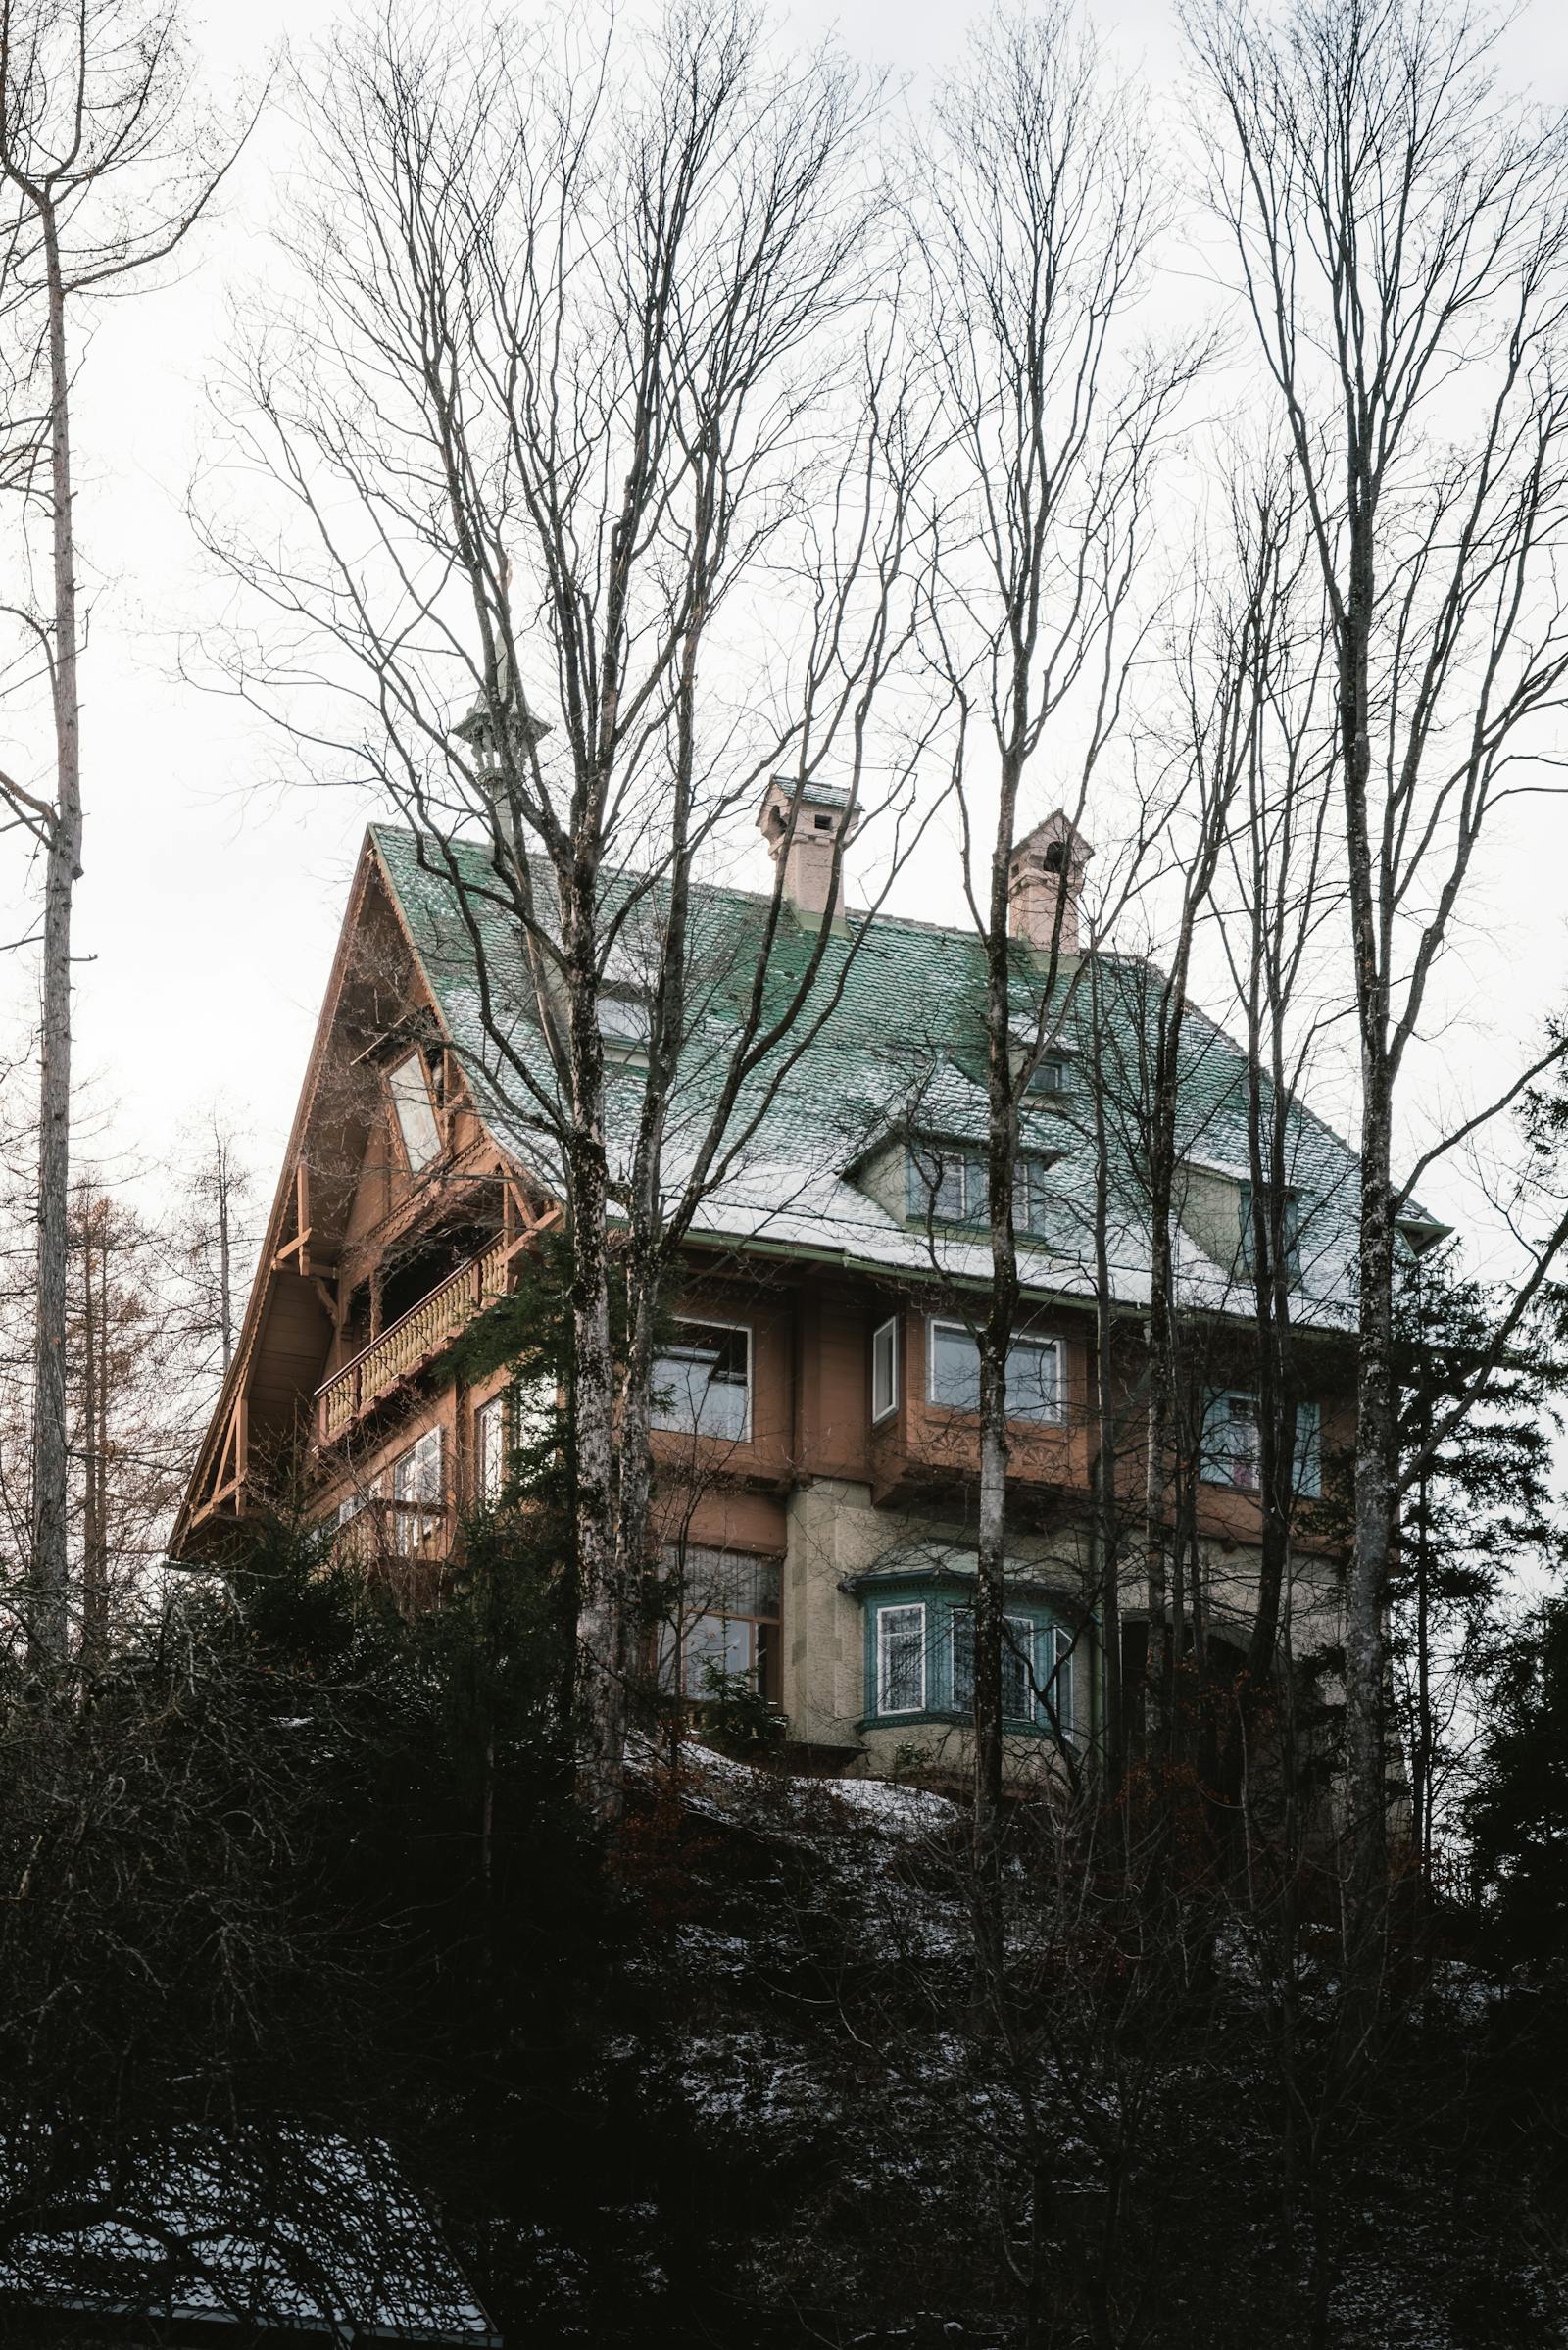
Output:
(1231, 1449)
(920, 1657)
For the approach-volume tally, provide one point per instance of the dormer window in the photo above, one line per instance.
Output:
(948, 1184)
(1049, 1074)
(625, 1023)
(418, 1130)
(1289, 1230)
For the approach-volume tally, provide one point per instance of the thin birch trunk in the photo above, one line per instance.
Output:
(50, 1620)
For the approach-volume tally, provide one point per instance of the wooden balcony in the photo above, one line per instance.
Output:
(407, 1345)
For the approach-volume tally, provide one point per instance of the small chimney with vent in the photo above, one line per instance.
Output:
(1047, 869)
(822, 820)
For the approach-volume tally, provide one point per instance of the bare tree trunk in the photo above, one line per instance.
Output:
(1396, 219)
(601, 1600)
(88, 95)
(224, 1195)
(1106, 1431)
(50, 1624)
(1038, 215)
(995, 1336)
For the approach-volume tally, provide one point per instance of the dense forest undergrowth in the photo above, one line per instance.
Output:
(298, 1866)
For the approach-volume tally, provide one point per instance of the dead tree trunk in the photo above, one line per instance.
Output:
(50, 1622)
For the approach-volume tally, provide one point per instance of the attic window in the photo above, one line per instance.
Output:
(1049, 1074)
(409, 1089)
(625, 1022)
(823, 823)
(1290, 1229)
(948, 1184)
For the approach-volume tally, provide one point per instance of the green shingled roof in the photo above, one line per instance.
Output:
(901, 1048)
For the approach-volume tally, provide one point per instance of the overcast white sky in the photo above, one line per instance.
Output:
(212, 898)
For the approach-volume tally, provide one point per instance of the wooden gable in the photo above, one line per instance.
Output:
(348, 1204)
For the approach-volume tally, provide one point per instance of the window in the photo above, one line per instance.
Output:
(946, 1185)
(722, 1621)
(901, 1660)
(920, 1658)
(417, 1492)
(1034, 1380)
(490, 1451)
(884, 1369)
(703, 1381)
(1291, 1230)
(409, 1089)
(1232, 1443)
(953, 1367)
(950, 1186)
(1033, 1199)
(1018, 1665)
(1050, 1075)
(953, 1373)
(1059, 1687)
(625, 1023)
(1232, 1446)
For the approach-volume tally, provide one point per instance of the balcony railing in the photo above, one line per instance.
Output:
(408, 1344)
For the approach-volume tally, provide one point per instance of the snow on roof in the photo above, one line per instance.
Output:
(299, 2233)
(893, 1045)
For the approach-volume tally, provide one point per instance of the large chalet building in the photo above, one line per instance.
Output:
(816, 1453)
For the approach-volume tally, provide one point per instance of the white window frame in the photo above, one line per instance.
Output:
(1062, 1685)
(1018, 1647)
(409, 1530)
(1024, 1632)
(885, 1615)
(935, 1323)
(708, 1322)
(1039, 1344)
(414, 1059)
(490, 1479)
(1036, 1340)
(887, 1330)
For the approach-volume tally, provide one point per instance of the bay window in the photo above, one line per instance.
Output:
(919, 1656)
(900, 1659)
(884, 1369)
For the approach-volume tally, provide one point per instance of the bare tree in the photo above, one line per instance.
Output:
(1399, 228)
(1037, 209)
(217, 1240)
(106, 167)
(588, 415)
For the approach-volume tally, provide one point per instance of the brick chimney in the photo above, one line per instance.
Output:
(1048, 865)
(822, 819)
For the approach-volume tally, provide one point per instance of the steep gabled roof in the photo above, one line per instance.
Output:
(892, 1044)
